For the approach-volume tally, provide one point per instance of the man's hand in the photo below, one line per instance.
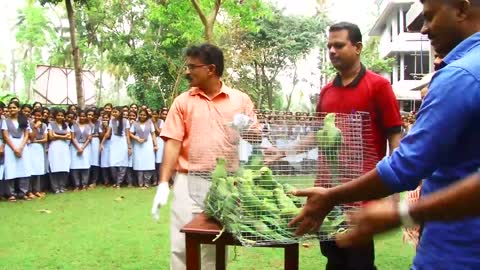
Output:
(377, 217)
(314, 212)
(241, 121)
(161, 198)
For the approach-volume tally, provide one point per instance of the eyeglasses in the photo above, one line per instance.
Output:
(193, 66)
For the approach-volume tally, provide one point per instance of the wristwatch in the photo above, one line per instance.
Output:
(404, 214)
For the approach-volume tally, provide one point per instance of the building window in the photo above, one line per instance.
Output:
(416, 65)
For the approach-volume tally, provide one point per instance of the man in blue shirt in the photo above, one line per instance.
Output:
(442, 147)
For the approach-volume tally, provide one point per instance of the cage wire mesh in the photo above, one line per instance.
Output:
(243, 177)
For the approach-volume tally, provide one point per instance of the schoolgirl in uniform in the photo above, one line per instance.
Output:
(36, 105)
(2, 150)
(158, 124)
(72, 108)
(132, 117)
(70, 118)
(145, 144)
(120, 148)
(38, 139)
(17, 164)
(46, 114)
(59, 151)
(105, 143)
(80, 151)
(27, 111)
(95, 124)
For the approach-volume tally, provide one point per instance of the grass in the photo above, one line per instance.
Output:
(112, 229)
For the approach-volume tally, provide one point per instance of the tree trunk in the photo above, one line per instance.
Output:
(76, 55)
(294, 83)
(209, 32)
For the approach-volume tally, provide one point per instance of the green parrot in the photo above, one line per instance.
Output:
(266, 179)
(220, 170)
(330, 141)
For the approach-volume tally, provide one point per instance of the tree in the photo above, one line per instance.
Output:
(34, 33)
(74, 47)
(277, 45)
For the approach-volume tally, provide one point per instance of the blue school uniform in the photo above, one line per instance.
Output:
(95, 144)
(59, 153)
(2, 158)
(105, 154)
(143, 153)
(15, 167)
(37, 153)
(119, 146)
(79, 162)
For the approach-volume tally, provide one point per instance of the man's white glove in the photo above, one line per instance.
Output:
(161, 198)
(241, 121)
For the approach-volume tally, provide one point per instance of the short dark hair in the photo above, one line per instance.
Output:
(473, 2)
(209, 54)
(354, 33)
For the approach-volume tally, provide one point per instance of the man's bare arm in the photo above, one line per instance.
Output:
(461, 200)
(170, 158)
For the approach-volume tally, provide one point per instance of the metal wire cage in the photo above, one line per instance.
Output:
(243, 177)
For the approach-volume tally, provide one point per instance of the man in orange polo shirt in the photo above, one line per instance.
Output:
(197, 131)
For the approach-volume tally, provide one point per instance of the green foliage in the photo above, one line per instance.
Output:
(34, 33)
(261, 55)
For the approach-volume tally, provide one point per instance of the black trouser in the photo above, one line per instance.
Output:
(118, 174)
(23, 186)
(106, 175)
(94, 174)
(357, 258)
(58, 181)
(155, 174)
(144, 178)
(80, 177)
(36, 183)
(129, 176)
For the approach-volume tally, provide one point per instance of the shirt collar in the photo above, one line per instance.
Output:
(337, 82)
(463, 48)
(197, 91)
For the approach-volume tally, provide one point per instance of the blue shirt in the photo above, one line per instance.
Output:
(442, 148)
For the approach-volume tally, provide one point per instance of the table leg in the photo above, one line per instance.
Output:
(220, 262)
(192, 252)
(291, 257)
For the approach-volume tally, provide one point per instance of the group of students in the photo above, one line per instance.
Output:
(42, 148)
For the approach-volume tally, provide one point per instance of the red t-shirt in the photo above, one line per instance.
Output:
(369, 93)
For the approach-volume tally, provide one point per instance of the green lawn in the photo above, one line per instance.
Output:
(112, 229)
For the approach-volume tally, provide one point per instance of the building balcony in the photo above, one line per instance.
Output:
(405, 42)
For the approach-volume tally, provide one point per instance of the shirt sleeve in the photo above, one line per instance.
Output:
(132, 128)
(444, 115)
(174, 127)
(152, 127)
(49, 127)
(128, 124)
(386, 105)
(4, 125)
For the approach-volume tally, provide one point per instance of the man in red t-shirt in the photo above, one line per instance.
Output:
(356, 89)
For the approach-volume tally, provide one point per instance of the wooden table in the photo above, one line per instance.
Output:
(202, 230)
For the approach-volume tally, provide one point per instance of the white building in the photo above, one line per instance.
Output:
(411, 50)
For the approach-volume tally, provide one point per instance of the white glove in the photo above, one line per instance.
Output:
(161, 198)
(241, 121)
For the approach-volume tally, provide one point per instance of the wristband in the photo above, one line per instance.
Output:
(404, 214)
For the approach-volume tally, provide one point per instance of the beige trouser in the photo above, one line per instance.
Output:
(184, 209)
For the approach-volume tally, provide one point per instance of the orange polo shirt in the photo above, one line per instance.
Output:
(202, 124)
